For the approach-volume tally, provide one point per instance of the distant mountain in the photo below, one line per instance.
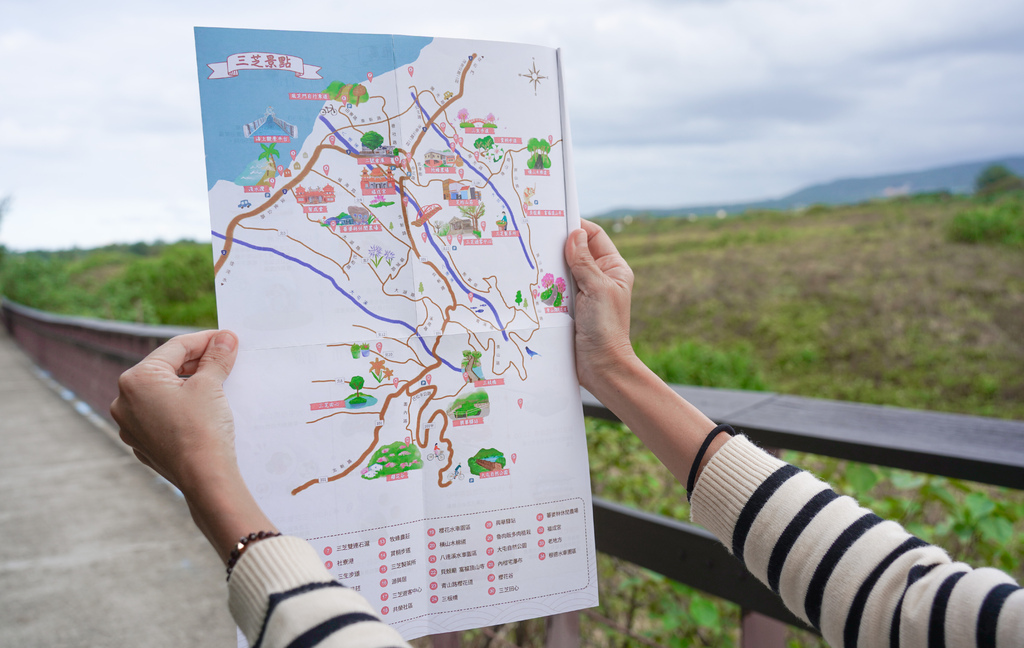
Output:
(958, 178)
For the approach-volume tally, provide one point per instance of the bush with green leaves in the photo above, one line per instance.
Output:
(1001, 223)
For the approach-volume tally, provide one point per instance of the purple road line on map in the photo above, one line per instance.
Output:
(454, 276)
(419, 212)
(341, 290)
(345, 141)
(511, 214)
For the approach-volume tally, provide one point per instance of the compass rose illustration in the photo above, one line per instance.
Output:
(534, 76)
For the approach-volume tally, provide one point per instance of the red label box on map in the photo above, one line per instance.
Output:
(464, 203)
(490, 382)
(508, 140)
(436, 170)
(476, 241)
(540, 172)
(315, 96)
(375, 227)
(480, 131)
(283, 139)
(257, 189)
(327, 405)
(398, 476)
(314, 209)
(493, 473)
(545, 212)
(505, 233)
(380, 159)
(468, 421)
(560, 309)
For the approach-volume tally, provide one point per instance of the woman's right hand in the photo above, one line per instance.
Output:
(604, 285)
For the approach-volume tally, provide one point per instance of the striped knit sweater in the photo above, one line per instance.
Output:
(860, 580)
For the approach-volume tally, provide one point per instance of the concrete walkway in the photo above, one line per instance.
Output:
(95, 549)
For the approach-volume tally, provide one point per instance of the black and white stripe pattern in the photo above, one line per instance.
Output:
(860, 580)
(282, 597)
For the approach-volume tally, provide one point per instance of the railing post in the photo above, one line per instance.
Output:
(760, 631)
(447, 640)
(562, 630)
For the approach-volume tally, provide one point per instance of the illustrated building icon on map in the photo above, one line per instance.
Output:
(314, 196)
(377, 182)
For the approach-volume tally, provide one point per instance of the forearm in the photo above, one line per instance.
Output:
(664, 421)
(224, 510)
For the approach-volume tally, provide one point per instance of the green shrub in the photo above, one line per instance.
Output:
(692, 363)
(1000, 223)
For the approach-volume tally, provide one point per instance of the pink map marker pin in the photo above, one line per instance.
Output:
(520, 402)
(405, 200)
(513, 457)
(483, 226)
(369, 77)
(449, 239)
(396, 385)
(551, 139)
(470, 297)
(273, 181)
(280, 168)
(410, 70)
(331, 138)
(424, 235)
(442, 126)
(428, 379)
(344, 99)
(462, 172)
(293, 154)
(476, 154)
(379, 347)
(327, 169)
(460, 238)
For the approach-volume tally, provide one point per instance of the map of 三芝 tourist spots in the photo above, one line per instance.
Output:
(388, 217)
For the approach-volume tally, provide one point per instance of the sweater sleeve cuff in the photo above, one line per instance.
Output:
(268, 567)
(726, 484)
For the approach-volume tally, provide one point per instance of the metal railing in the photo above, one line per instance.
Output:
(87, 356)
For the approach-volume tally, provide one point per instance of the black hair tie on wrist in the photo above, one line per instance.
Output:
(700, 455)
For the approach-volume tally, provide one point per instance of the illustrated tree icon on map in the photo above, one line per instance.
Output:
(357, 383)
(540, 148)
(269, 153)
(372, 140)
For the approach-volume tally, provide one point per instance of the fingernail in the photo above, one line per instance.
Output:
(225, 341)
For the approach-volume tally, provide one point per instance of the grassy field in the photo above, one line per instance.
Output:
(872, 303)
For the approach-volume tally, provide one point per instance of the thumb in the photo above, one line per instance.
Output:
(581, 262)
(219, 357)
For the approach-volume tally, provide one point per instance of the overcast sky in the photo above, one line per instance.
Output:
(672, 103)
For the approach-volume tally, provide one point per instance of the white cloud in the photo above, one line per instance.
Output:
(708, 101)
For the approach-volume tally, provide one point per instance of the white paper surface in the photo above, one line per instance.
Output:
(451, 486)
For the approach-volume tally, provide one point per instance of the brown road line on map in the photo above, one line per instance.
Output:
(230, 231)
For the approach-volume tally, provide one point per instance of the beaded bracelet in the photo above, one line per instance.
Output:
(700, 455)
(243, 544)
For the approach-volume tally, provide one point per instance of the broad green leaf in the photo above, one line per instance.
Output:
(996, 529)
(907, 480)
(705, 613)
(861, 478)
(979, 505)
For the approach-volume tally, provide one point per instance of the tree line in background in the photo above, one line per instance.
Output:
(159, 283)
